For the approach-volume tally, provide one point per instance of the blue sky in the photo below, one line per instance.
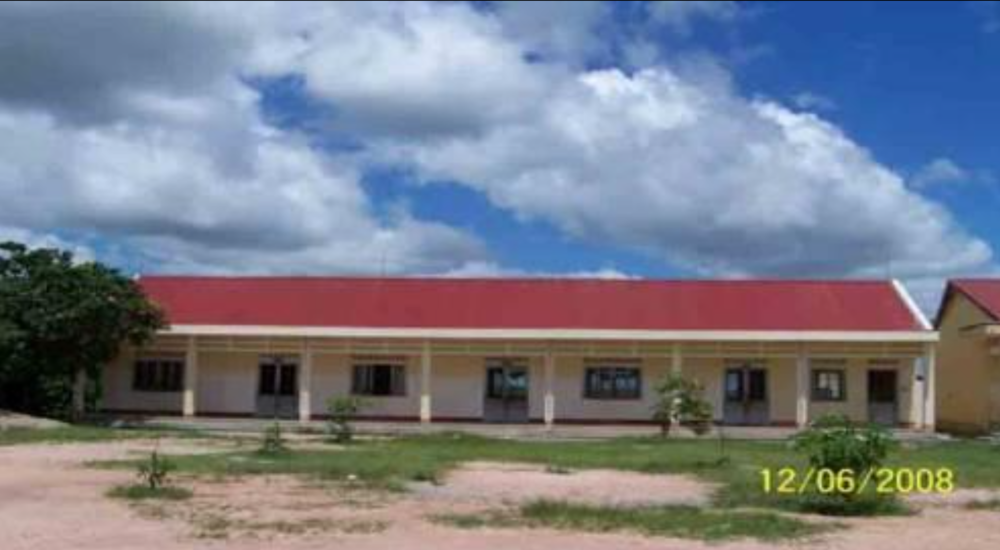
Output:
(644, 139)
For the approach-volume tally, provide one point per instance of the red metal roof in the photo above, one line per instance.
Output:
(984, 292)
(533, 303)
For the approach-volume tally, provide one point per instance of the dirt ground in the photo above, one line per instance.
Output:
(51, 500)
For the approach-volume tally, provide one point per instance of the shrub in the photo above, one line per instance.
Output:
(153, 473)
(682, 400)
(342, 412)
(274, 440)
(837, 444)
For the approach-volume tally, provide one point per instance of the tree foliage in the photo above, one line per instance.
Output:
(58, 317)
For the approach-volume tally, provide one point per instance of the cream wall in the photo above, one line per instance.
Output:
(571, 404)
(227, 384)
(332, 377)
(458, 387)
(855, 406)
(963, 381)
(119, 395)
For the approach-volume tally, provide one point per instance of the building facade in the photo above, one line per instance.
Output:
(969, 325)
(530, 350)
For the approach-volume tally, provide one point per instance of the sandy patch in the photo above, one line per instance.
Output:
(50, 501)
(504, 483)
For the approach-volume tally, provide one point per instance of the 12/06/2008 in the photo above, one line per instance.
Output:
(792, 481)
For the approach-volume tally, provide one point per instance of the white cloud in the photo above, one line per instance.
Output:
(810, 101)
(680, 14)
(557, 29)
(939, 170)
(492, 269)
(681, 167)
(179, 170)
(412, 69)
(943, 170)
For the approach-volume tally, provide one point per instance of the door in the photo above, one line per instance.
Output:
(746, 396)
(278, 388)
(882, 397)
(506, 398)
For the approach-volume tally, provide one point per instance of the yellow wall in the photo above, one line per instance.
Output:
(963, 374)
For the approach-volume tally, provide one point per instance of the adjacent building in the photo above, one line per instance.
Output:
(530, 350)
(969, 324)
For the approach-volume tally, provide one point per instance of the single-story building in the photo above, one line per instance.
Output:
(768, 352)
(969, 324)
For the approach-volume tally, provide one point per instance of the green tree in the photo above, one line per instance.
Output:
(681, 400)
(59, 318)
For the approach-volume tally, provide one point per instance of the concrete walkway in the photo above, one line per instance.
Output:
(564, 432)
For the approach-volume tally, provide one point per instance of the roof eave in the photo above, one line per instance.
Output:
(557, 334)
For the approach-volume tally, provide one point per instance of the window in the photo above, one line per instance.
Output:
(604, 381)
(158, 375)
(746, 382)
(829, 385)
(379, 378)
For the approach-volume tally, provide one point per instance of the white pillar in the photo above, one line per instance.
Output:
(802, 390)
(676, 365)
(80, 393)
(550, 396)
(929, 417)
(425, 384)
(190, 376)
(305, 383)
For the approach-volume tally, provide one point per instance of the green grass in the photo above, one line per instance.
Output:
(68, 434)
(392, 463)
(144, 492)
(672, 521)
(89, 433)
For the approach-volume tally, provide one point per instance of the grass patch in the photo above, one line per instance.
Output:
(68, 434)
(393, 463)
(491, 518)
(687, 522)
(143, 492)
(87, 433)
(991, 504)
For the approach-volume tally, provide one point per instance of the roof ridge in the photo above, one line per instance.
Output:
(766, 280)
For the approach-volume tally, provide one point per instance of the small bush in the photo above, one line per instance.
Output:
(274, 440)
(153, 472)
(342, 411)
(837, 444)
(682, 400)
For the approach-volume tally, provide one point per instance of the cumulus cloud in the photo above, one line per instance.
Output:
(682, 167)
(134, 126)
